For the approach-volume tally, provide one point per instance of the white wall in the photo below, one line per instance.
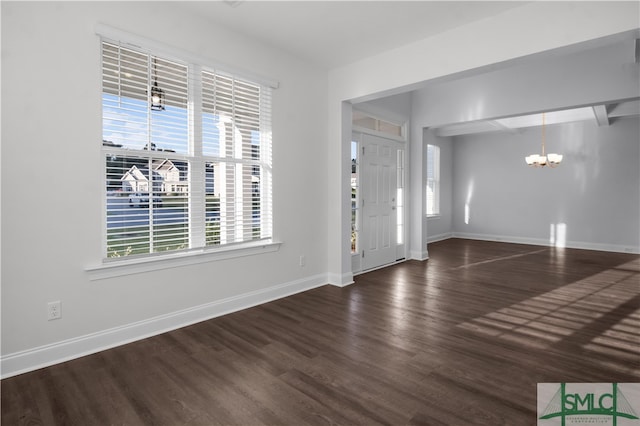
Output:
(602, 71)
(395, 107)
(592, 200)
(51, 183)
(532, 28)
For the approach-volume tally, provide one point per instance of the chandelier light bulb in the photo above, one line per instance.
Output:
(554, 159)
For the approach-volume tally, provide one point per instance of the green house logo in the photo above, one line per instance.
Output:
(584, 403)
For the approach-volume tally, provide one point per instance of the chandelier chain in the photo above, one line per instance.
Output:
(544, 137)
(551, 160)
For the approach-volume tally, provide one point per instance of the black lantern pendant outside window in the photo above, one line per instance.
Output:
(157, 97)
(157, 94)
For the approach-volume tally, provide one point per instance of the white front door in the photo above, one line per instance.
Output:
(379, 191)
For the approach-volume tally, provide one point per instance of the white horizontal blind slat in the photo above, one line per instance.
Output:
(135, 41)
(147, 188)
(232, 138)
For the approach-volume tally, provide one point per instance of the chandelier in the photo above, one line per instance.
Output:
(536, 160)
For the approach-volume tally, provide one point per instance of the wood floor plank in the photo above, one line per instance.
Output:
(460, 339)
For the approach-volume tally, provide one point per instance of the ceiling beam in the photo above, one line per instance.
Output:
(500, 126)
(601, 116)
(465, 128)
(625, 109)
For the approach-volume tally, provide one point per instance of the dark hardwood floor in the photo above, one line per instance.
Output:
(460, 339)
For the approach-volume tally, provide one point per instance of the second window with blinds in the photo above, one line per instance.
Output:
(187, 155)
(433, 181)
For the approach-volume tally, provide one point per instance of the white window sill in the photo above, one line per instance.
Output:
(433, 216)
(118, 268)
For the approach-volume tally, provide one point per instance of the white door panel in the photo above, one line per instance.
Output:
(378, 168)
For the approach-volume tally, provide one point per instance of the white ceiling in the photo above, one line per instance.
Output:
(335, 33)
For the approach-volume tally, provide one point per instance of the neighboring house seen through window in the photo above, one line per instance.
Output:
(187, 154)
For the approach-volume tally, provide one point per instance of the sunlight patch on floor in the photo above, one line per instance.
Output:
(584, 308)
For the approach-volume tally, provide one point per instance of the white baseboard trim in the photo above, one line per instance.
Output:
(43, 356)
(341, 280)
(419, 255)
(439, 237)
(547, 243)
(386, 265)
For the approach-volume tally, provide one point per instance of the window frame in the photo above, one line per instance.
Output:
(433, 210)
(193, 254)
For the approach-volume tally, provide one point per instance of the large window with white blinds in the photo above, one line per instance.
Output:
(187, 155)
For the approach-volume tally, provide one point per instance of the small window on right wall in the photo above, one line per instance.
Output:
(433, 180)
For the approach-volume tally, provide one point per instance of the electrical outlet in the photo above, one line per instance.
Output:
(302, 260)
(54, 310)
